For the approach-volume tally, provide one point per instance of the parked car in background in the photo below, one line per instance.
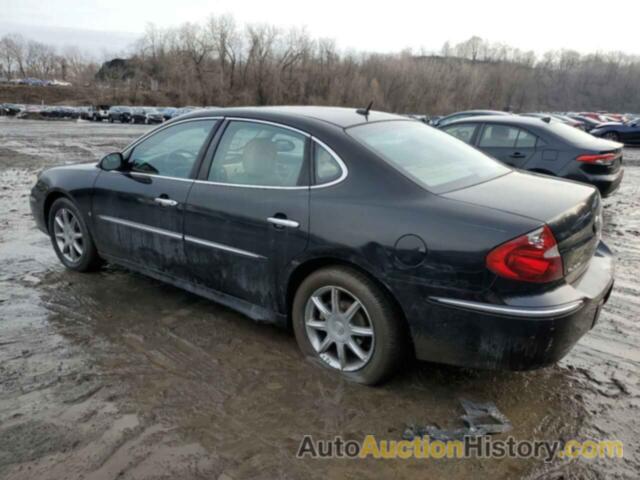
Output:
(139, 115)
(168, 113)
(588, 123)
(278, 193)
(442, 121)
(101, 112)
(11, 109)
(119, 114)
(545, 146)
(155, 115)
(627, 133)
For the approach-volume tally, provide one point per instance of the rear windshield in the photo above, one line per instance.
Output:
(434, 159)
(569, 133)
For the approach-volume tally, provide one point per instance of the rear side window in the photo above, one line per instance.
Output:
(526, 140)
(505, 136)
(499, 136)
(259, 154)
(462, 132)
(326, 167)
(432, 158)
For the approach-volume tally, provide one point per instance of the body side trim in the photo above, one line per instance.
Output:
(532, 312)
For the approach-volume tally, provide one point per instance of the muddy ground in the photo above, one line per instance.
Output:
(114, 375)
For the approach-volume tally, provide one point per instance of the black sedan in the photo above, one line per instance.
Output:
(544, 145)
(374, 236)
(627, 133)
(120, 114)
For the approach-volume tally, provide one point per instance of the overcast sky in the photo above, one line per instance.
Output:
(583, 25)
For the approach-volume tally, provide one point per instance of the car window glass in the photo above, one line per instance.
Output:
(461, 132)
(502, 136)
(173, 151)
(327, 168)
(259, 154)
(525, 140)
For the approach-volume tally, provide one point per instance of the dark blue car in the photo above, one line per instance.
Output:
(627, 133)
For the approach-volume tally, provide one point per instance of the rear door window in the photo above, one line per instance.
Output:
(260, 154)
(499, 136)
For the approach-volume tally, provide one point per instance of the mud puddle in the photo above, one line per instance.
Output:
(113, 375)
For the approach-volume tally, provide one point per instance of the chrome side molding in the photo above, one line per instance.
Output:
(536, 312)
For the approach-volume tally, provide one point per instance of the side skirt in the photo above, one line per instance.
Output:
(255, 312)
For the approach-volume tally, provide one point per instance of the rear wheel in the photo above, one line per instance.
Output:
(71, 238)
(345, 322)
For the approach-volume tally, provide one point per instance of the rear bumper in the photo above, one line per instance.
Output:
(607, 184)
(520, 334)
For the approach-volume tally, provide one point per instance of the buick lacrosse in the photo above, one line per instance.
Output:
(375, 237)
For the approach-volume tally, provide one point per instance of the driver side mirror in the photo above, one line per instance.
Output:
(113, 161)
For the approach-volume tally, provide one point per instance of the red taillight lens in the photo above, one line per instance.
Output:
(598, 159)
(533, 257)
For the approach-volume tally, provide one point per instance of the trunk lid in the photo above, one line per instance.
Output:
(572, 211)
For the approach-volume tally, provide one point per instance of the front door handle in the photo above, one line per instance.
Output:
(165, 202)
(283, 222)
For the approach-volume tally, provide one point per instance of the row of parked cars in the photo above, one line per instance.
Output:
(36, 82)
(585, 147)
(96, 113)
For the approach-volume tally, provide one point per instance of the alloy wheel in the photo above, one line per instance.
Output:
(68, 235)
(339, 328)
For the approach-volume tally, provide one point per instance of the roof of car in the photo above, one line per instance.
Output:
(507, 119)
(340, 116)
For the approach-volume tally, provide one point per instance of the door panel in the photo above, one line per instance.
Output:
(130, 224)
(138, 213)
(511, 145)
(232, 247)
(249, 219)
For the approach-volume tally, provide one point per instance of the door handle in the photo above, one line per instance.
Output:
(165, 202)
(517, 155)
(283, 222)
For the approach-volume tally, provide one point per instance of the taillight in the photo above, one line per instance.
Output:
(598, 159)
(533, 257)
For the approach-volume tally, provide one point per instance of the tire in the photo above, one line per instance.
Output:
(612, 136)
(384, 346)
(83, 260)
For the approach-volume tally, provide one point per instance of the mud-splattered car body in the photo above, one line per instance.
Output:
(427, 249)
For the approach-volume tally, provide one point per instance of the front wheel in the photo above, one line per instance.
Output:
(71, 238)
(612, 136)
(347, 323)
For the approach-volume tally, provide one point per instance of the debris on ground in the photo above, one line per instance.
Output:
(479, 419)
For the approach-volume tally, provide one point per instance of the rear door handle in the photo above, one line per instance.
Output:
(517, 155)
(165, 202)
(283, 222)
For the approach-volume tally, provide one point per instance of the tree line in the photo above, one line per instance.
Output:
(219, 62)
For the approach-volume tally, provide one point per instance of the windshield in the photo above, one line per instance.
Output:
(569, 133)
(434, 159)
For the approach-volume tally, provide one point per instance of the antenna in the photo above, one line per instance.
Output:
(365, 111)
